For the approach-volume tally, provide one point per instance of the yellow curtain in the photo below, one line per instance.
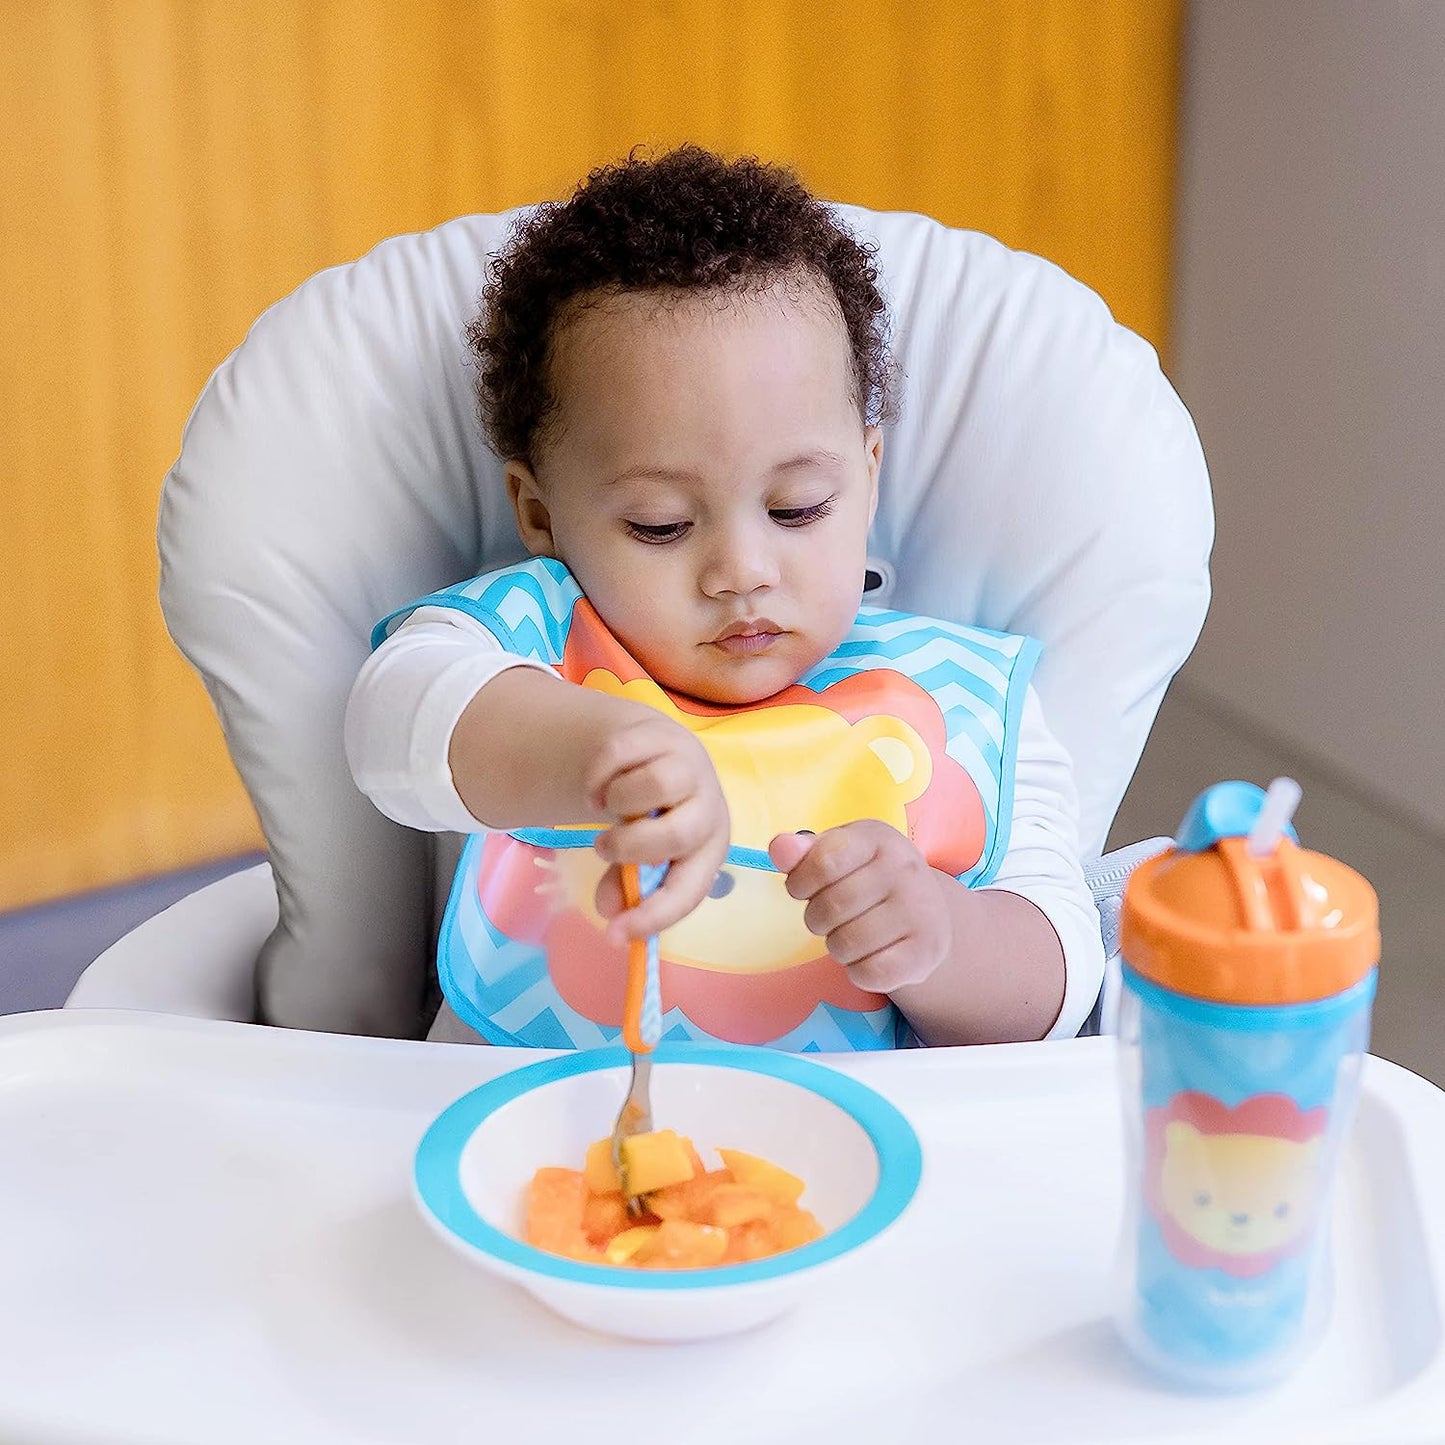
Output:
(173, 166)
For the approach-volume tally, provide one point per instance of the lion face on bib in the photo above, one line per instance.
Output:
(785, 767)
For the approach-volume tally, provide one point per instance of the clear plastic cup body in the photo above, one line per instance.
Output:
(1234, 1119)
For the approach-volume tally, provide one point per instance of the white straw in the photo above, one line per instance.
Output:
(1281, 798)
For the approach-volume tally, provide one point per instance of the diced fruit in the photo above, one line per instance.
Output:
(753, 1240)
(794, 1227)
(604, 1216)
(734, 1204)
(688, 1200)
(630, 1243)
(758, 1174)
(695, 1218)
(653, 1161)
(679, 1244)
(597, 1169)
(787, 1228)
(556, 1199)
(698, 1167)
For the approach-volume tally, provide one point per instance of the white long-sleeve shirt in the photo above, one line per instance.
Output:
(411, 692)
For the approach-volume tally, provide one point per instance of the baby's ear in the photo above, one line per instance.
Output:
(899, 748)
(534, 519)
(873, 445)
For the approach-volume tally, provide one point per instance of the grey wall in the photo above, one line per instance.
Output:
(45, 949)
(1310, 347)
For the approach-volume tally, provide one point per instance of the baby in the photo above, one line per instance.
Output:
(685, 368)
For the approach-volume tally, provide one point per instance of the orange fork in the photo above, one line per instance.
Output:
(636, 969)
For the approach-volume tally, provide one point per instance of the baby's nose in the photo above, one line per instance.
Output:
(739, 574)
(739, 558)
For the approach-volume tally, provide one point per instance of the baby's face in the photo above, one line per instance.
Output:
(710, 483)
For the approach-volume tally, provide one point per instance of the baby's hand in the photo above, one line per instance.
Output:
(873, 896)
(654, 779)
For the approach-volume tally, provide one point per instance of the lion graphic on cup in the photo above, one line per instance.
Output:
(1234, 1188)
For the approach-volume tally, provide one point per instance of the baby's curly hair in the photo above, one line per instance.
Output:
(685, 221)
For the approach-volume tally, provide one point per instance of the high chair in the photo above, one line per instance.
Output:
(1044, 478)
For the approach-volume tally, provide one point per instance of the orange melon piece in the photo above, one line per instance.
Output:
(735, 1204)
(605, 1216)
(785, 1227)
(680, 1244)
(794, 1227)
(758, 1174)
(753, 1240)
(698, 1167)
(688, 1200)
(556, 1199)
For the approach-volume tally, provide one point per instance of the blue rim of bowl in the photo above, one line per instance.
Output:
(437, 1172)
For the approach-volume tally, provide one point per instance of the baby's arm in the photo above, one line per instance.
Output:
(404, 706)
(1027, 958)
(1017, 959)
(444, 730)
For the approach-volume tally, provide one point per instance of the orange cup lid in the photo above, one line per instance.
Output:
(1224, 925)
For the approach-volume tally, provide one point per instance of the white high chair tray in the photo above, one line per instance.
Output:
(207, 1235)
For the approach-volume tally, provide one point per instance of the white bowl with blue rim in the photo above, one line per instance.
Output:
(857, 1155)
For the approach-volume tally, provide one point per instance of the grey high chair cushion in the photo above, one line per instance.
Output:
(1044, 478)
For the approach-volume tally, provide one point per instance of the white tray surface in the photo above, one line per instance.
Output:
(207, 1233)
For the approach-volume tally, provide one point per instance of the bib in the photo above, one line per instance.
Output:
(911, 720)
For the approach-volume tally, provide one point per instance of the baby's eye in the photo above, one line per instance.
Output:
(801, 516)
(1203, 1201)
(656, 534)
(1280, 1210)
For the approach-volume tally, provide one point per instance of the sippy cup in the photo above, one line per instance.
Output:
(1249, 966)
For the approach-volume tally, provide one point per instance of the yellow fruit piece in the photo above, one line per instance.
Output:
(653, 1161)
(597, 1170)
(758, 1174)
(630, 1243)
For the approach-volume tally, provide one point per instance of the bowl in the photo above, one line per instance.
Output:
(857, 1155)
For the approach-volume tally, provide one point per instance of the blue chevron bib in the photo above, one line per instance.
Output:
(910, 720)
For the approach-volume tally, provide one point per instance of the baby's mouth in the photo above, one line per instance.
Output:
(747, 639)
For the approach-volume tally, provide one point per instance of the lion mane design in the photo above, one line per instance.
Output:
(1233, 1189)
